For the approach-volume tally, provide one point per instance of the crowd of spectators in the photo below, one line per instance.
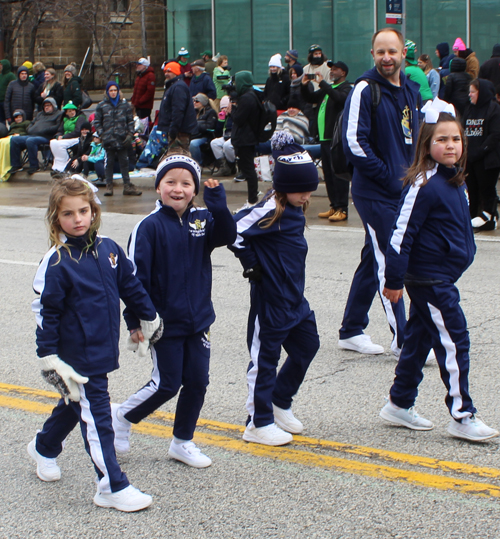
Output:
(204, 111)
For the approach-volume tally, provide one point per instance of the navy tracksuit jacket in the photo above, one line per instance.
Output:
(380, 152)
(171, 257)
(432, 244)
(279, 313)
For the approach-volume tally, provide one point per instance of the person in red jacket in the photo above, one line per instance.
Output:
(144, 89)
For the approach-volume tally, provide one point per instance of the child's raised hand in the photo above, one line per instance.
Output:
(211, 183)
(392, 295)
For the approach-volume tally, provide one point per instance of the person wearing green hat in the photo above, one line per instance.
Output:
(209, 63)
(66, 137)
(414, 72)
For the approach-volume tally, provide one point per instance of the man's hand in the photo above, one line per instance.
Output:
(319, 77)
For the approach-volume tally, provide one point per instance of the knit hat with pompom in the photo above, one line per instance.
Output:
(294, 170)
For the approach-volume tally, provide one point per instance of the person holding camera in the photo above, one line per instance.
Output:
(330, 100)
(317, 62)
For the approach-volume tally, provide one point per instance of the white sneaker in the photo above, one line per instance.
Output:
(405, 417)
(286, 420)
(362, 344)
(188, 453)
(480, 220)
(245, 207)
(128, 499)
(122, 429)
(471, 428)
(46, 469)
(268, 435)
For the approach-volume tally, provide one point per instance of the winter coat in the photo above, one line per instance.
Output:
(491, 68)
(83, 147)
(277, 90)
(78, 311)
(380, 153)
(245, 113)
(45, 125)
(56, 91)
(19, 95)
(71, 127)
(457, 86)
(6, 76)
(472, 65)
(335, 104)
(297, 126)
(280, 250)
(221, 77)
(207, 121)
(482, 128)
(444, 55)
(203, 85)
(144, 89)
(432, 236)
(73, 91)
(417, 75)
(39, 81)
(171, 255)
(114, 125)
(177, 114)
(97, 152)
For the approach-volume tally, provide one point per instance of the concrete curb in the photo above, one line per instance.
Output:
(147, 182)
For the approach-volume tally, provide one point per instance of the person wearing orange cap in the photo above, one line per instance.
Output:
(177, 117)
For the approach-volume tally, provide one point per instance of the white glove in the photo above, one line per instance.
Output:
(152, 332)
(63, 377)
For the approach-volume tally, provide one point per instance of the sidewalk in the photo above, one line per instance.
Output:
(144, 179)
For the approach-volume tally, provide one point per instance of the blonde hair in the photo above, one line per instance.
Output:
(38, 66)
(281, 201)
(70, 187)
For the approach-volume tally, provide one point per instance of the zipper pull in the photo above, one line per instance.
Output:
(180, 221)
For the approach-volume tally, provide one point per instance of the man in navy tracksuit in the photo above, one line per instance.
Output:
(379, 145)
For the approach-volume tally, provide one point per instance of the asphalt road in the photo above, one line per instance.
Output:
(350, 475)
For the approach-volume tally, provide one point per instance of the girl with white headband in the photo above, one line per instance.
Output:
(432, 244)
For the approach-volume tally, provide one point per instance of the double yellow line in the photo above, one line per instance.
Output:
(304, 451)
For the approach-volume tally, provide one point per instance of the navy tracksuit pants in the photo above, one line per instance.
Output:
(94, 413)
(299, 337)
(177, 362)
(378, 218)
(436, 321)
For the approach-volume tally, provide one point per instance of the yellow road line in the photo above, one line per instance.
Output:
(359, 450)
(299, 457)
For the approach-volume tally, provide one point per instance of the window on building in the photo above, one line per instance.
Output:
(120, 6)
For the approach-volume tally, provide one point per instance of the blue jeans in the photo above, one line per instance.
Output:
(17, 144)
(194, 148)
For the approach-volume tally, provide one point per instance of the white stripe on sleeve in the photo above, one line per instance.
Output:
(353, 120)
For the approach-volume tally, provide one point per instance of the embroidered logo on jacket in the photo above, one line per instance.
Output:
(113, 260)
(205, 340)
(197, 228)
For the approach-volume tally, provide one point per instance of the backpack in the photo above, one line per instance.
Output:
(267, 120)
(337, 128)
